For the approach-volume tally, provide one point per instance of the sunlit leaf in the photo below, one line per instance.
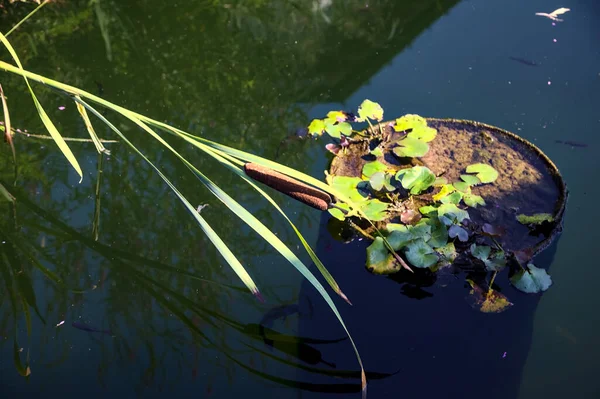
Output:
(408, 122)
(444, 191)
(453, 198)
(58, 139)
(347, 185)
(537, 218)
(485, 173)
(375, 209)
(371, 110)
(423, 133)
(420, 255)
(380, 180)
(316, 127)
(416, 179)
(338, 214)
(379, 259)
(427, 209)
(373, 167)
(456, 231)
(411, 147)
(338, 129)
(473, 200)
(440, 181)
(532, 281)
(461, 186)
(335, 116)
(471, 180)
(377, 151)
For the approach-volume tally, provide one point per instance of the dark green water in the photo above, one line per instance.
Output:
(248, 74)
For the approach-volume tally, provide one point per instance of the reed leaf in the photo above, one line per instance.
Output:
(8, 132)
(212, 235)
(88, 124)
(62, 145)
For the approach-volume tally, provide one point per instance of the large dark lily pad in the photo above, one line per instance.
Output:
(528, 182)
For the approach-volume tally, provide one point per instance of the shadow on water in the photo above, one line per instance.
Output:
(422, 324)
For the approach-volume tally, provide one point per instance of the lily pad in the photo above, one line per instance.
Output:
(335, 116)
(411, 147)
(371, 110)
(416, 179)
(446, 189)
(379, 259)
(399, 238)
(377, 151)
(316, 127)
(381, 180)
(375, 209)
(336, 130)
(481, 252)
(421, 255)
(532, 281)
(452, 213)
(439, 233)
(461, 186)
(448, 252)
(453, 198)
(471, 180)
(348, 186)
(409, 122)
(456, 231)
(496, 262)
(338, 214)
(473, 200)
(484, 172)
(373, 167)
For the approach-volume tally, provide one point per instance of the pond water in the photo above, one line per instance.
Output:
(170, 317)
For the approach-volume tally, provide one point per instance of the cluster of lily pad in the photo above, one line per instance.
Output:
(427, 236)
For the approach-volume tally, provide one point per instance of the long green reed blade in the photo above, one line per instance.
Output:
(27, 17)
(322, 269)
(261, 230)
(97, 208)
(212, 235)
(62, 145)
(90, 128)
(6, 194)
(8, 131)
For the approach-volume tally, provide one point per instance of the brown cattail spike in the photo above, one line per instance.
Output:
(299, 191)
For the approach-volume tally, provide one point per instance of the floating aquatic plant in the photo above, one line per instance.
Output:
(426, 217)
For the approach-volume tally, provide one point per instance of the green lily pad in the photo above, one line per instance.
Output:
(446, 189)
(416, 179)
(461, 186)
(381, 180)
(335, 116)
(453, 198)
(439, 233)
(338, 214)
(471, 180)
(377, 151)
(336, 130)
(451, 212)
(411, 147)
(484, 172)
(371, 110)
(496, 262)
(532, 281)
(316, 127)
(440, 181)
(473, 200)
(379, 259)
(373, 167)
(538, 218)
(375, 209)
(421, 255)
(481, 252)
(448, 252)
(427, 209)
(398, 239)
(455, 231)
(421, 230)
(348, 186)
(409, 121)
(423, 133)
